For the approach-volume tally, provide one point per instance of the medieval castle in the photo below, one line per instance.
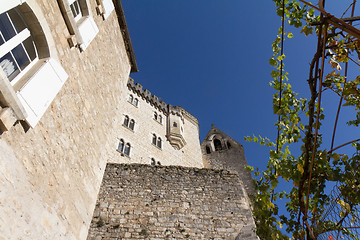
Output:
(87, 153)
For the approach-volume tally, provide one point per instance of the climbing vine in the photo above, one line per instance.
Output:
(315, 165)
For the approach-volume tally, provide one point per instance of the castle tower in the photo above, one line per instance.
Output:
(220, 151)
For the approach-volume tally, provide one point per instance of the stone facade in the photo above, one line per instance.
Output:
(152, 116)
(50, 175)
(171, 202)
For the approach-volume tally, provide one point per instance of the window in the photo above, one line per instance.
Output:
(153, 162)
(17, 48)
(124, 148)
(159, 142)
(129, 123)
(126, 121)
(75, 9)
(127, 149)
(121, 146)
(154, 139)
(159, 163)
(79, 21)
(23, 54)
(132, 124)
(158, 117)
(208, 150)
(133, 101)
(136, 102)
(174, 124)
(228, 145)
(217, 144)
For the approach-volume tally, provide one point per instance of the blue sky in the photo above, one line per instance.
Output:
(211, 57)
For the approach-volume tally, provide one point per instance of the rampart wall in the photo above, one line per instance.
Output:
(171, 202)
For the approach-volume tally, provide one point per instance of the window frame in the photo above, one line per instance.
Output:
(83, 30)
(22, 97)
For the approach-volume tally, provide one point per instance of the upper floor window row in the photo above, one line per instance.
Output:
(158, 117)
(133, 101)
(124, 148)
(129, 123)
(156, 141)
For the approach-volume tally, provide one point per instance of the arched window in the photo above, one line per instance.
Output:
(159, 163)
(159, 142)
(127, 149)
(155, 116)
(153, 161)
(132, 124)
(131, 98)
(217, 144)
(17, 48)
(154, 139)
(208, 151)
(174, 124)
(126, 121)
(228, 144)
(121, 146)
(160, 119)
(24, 41)
(136, 102)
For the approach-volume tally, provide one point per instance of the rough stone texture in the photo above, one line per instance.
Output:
(142, 149)
(169, 202)
(230, 157)
(50, 175)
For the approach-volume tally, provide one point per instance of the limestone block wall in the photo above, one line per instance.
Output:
(142, 149)
(50, 175)
(170, 202)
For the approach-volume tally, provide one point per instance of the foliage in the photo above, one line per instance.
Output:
(299, 128)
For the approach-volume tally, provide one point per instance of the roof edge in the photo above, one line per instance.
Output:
(126, 35)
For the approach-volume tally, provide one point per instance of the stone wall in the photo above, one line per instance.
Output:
(169, 202)
(231, 157)
(142, 149)
(51, 174)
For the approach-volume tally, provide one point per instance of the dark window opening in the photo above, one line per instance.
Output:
(154, 139)
(153, 162)
(228, 145)
(132, 124)
(174, 124)
(208, 151)
(127, 149)
(217, 144)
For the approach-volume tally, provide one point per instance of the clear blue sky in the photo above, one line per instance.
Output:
(211, 57)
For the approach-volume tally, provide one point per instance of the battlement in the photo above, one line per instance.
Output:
(146, 94)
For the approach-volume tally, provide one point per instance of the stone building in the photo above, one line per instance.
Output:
(154, 132)
(68, 108)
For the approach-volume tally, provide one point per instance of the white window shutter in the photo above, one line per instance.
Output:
(38, 93)
(88, 31)
(108, 7)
